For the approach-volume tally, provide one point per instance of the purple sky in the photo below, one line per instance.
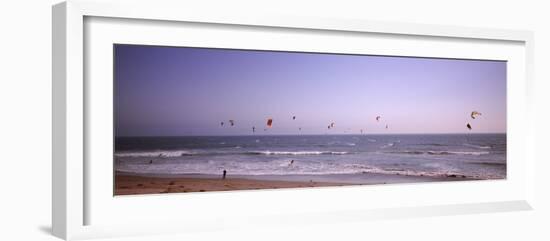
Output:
(188, 91)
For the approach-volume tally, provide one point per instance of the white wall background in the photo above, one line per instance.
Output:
(25, 120)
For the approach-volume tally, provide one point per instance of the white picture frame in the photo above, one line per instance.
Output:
(76, 191)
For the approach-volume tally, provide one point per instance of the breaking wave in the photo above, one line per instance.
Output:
(295, 153)
(474, 153)
(477, 146)
(196, 153)
(283, 168)
(154, 154)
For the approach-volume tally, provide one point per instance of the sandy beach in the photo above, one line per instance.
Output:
(128, 184)
(131, 184)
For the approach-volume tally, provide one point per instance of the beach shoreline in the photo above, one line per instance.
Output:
(132, 184)
(135, 184)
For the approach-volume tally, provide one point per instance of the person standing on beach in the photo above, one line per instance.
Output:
(224, 173)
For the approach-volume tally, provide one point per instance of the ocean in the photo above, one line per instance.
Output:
(473, 156)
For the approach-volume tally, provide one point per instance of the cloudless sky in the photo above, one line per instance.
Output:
(177, 91)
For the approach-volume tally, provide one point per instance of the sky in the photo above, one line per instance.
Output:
(182, 91)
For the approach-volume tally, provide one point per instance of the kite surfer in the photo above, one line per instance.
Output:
(474, 114)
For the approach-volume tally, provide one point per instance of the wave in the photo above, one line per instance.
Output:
(183, 153)
(477, 146)
(365, 169)
(433, 174)
(474, 153)
(431, 144)
(179, 153)
(407, 152)
(283, 168)
(490, 163)
(391, 144)
(337, 143)
(295, 153)
(154, 154)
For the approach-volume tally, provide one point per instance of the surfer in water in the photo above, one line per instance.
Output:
(291, 162)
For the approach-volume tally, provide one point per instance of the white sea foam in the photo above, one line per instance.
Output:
(283, 167)
(477, 146)
(180, 153)
(474, 153)
(391, 144)
(295, 153)
(154, 154)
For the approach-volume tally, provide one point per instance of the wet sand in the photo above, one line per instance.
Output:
(129, 184)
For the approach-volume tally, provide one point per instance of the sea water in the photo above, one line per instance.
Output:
(479, 156)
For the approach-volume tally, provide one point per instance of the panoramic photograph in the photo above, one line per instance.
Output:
(190, 119)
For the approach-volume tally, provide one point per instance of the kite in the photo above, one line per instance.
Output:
(294, 117)
(221, 123)
(232, 122)
(269, 122)
(332, 125)
(469, 126)
(378, 118)
(474, 114)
